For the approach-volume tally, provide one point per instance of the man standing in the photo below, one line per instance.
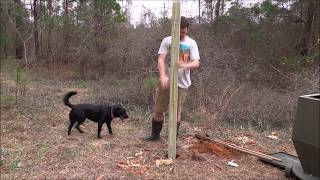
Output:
(188, 59)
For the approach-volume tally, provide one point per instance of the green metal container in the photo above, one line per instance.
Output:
(306, 135)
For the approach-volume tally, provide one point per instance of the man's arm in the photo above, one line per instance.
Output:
(162, 65)
(194, 57)
(164, 79)
(189, 65)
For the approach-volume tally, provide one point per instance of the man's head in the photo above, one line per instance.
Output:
(184, 25)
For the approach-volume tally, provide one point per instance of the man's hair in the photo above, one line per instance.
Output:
(184, 23)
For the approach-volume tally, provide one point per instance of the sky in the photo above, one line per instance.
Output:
(189, 8)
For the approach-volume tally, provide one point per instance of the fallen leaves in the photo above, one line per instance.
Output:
(133, 167)
(273, 136)
(245, 140)
(233, 163)
(160, 162)
(138, 154)
(134, 164)
(100, 177)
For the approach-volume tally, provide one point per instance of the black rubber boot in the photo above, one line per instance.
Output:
(178, 126)
(178, 144)
(155, 133)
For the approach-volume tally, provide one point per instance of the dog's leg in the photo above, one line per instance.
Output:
(76, 116)
(78, 127)
(99, 129)
(109, 127)
(73, 119)
(72, 122)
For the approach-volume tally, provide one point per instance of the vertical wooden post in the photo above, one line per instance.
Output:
(173, 103)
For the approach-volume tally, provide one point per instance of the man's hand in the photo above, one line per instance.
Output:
(164, 82)
(181, 64)
(188, 65)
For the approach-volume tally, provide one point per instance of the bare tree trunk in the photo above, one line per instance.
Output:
(199, 6)
(209, 8)
(66, 31)
(79, 13)
(40, 13)
(301, 11)
(217, 8)
(307, 37)
(49, 28)
(8, 28)
(211, 11)
(98, 25)
(4, 30)
(18, 41)
(66, 7)
(128, 10)
(83, 68)
(35, 30)
(222, 7)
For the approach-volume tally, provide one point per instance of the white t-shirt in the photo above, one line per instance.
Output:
(188, 52)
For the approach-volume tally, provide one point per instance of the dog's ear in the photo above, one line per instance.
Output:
(117, 107)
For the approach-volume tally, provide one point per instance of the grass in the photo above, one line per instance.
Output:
(43, 150)
(108, 146)
(3, 152)
(16, 163)
(140, 117)
(195, 118)
(70, 153)
(16, 128)
(78, 83)
(7, 99)
(2, 131)
(92, 147)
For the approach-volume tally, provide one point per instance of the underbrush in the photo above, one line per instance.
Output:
(215, 97)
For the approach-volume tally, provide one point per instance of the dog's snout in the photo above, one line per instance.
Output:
(124, 117)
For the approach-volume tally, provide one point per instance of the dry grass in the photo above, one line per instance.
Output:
(35, 144)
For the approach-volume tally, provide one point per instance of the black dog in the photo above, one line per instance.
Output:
(97, 113)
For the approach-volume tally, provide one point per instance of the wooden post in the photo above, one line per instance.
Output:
(173, 103)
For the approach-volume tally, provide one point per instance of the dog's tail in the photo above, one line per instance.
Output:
(66, 98)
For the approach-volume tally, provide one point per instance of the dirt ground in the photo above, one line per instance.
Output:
(35, 144)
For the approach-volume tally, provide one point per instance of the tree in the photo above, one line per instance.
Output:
(11, 18)
(106, 14)
(209, 4)
(5, 39)
(217, 8)
(49, 28)
(302, 12)
(35, 28)
(311, 26)
(214, 8)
